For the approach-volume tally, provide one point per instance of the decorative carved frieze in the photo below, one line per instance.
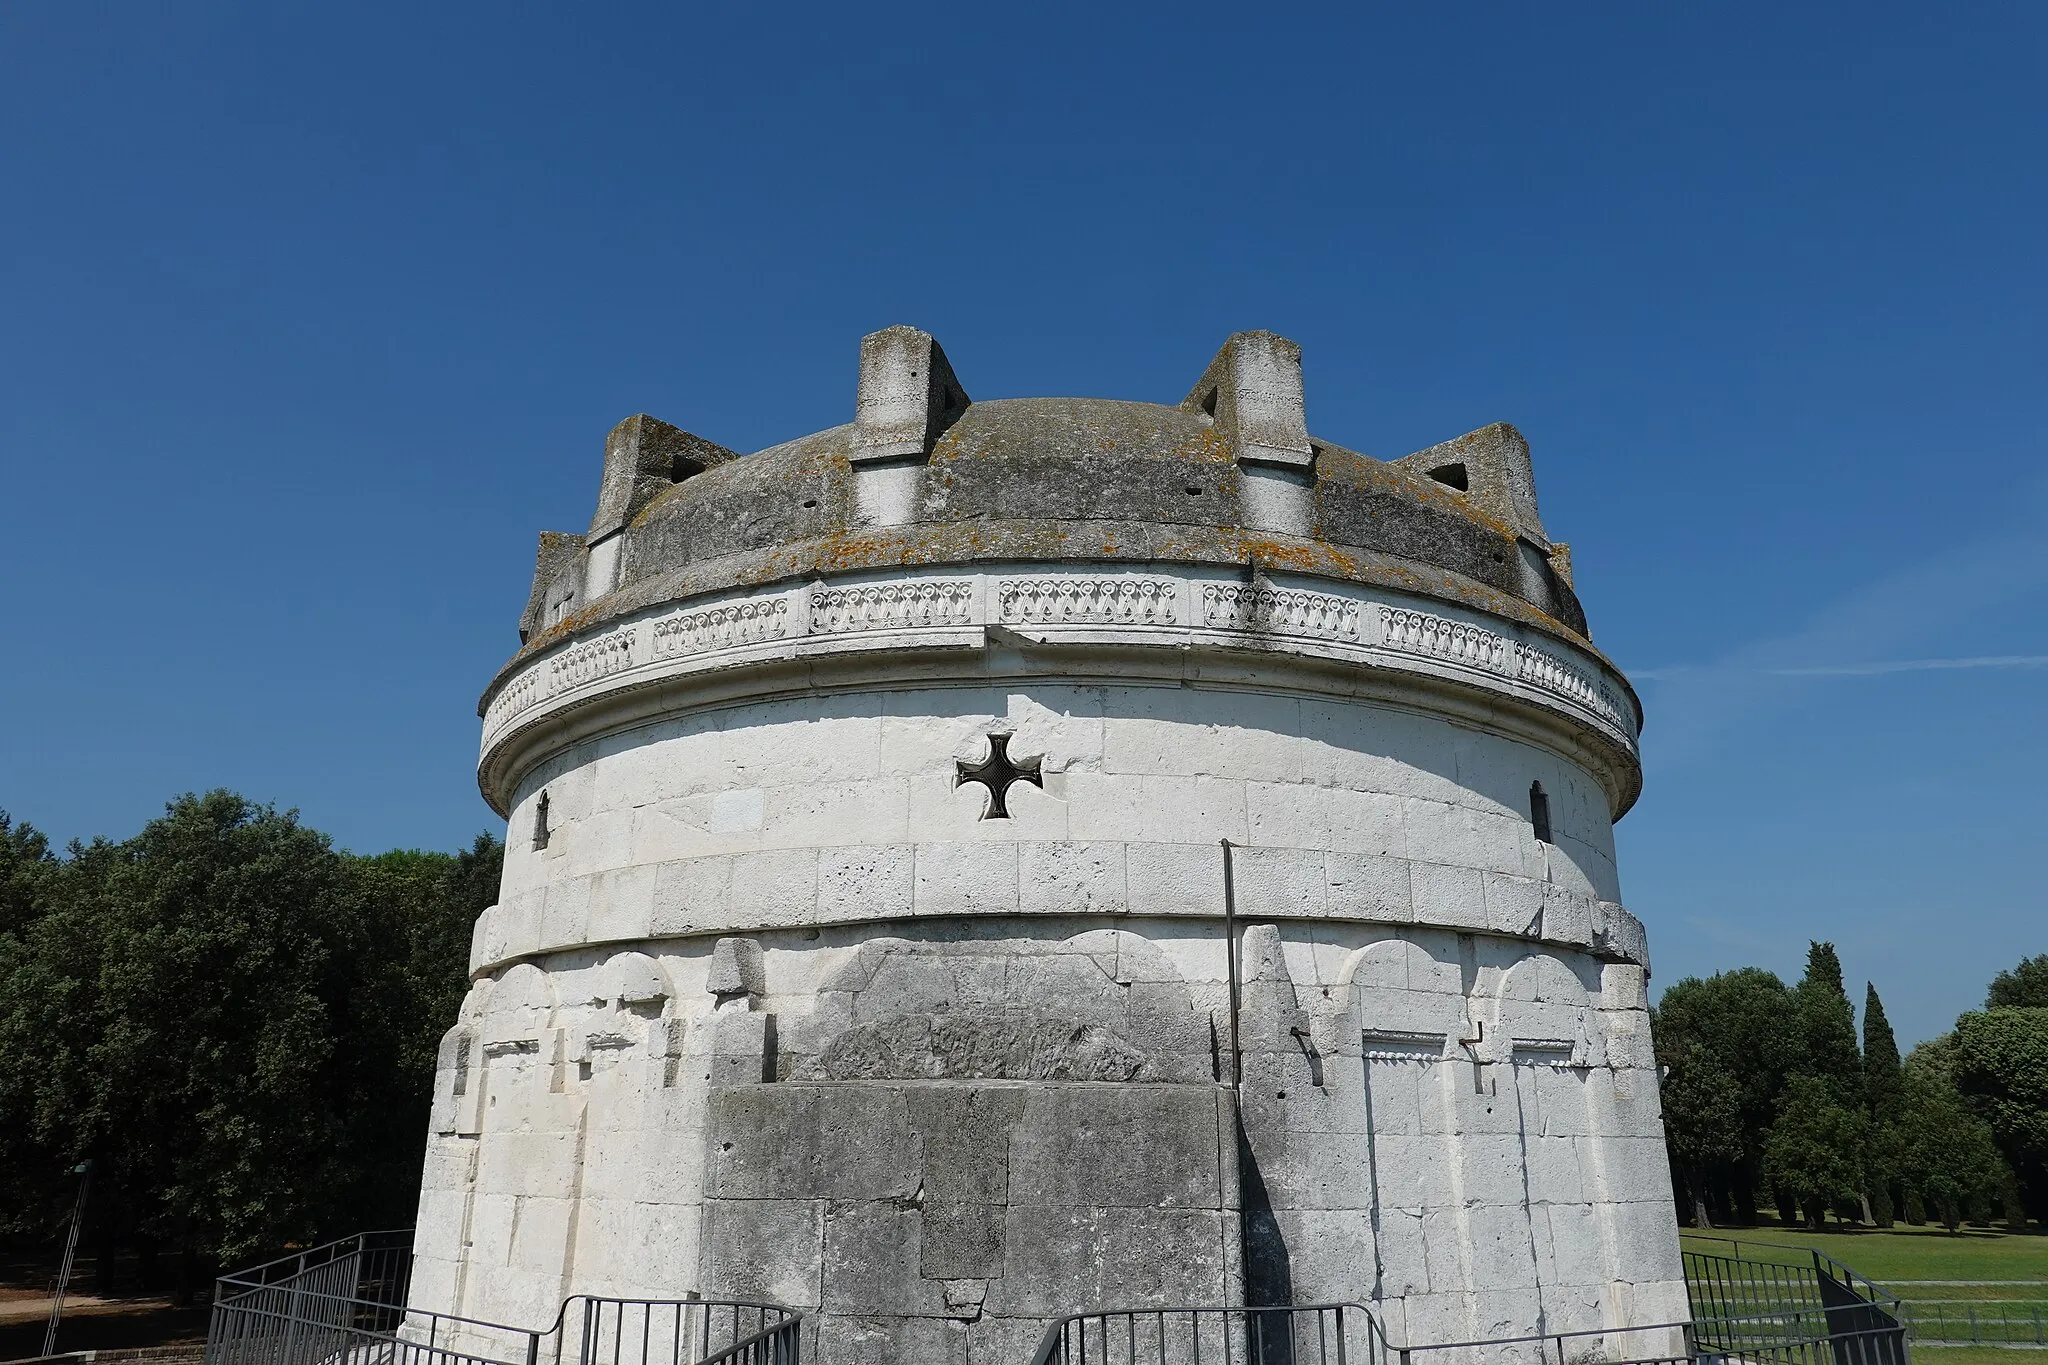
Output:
(887, 606)
(737, 623)
(1552, 674)
(522, 691)
(1401, 1045)
(512, 1047)
(591, 660)
(1062, 600)
(1122, 601)
(1282, 611)
(1417, 632)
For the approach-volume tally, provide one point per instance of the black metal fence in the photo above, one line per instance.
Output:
(1789, 1304)
(345, 1304)
(1800, 1309)
(1307, 1334)
(592, 1330)
(1975, 1322)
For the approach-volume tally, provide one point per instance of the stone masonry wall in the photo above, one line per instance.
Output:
(770, 1011)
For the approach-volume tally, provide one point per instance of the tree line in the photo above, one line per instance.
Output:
(234, 1022)
(1768, 1095)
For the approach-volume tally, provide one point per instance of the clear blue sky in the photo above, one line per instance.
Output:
(314, 316)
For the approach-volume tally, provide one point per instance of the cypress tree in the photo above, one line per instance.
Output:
(1882, 1078)
(1884, 1086)
(1830, 1056)
(1828, 1028)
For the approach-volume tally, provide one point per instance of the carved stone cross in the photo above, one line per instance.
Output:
(997, 772)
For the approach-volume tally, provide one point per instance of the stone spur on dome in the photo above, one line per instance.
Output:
(998, 859)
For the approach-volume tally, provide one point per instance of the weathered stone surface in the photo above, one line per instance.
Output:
(774, 1005)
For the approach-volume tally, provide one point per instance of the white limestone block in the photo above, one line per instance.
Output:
(1344, 1240)
(966, 879)
(1365, 887)
(1448, 895)
(774, 888)
(692, 895)
(1553, 1171)
(1560, 1099)
(1496, 1313)
(865, 882)
(1071, 877)
(870, 811)
(1514, 905)
(1567, 916)
(1279, 883)
(699, 826)
(1624, 986)
(1446, 833)
(1502, 1248)
(622, 904)
(1634, 1169)
(1415, 1170)
(1493, 1172)
(1109, 806)
(1446, 1248)
(485, 943)
(1403, 1261)
(565, 913)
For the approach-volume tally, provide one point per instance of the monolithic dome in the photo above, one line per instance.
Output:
(994, 860)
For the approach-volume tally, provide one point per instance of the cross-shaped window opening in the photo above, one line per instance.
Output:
(997, 772)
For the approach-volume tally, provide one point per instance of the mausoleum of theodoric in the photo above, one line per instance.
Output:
(993, 860)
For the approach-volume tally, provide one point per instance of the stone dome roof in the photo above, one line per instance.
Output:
(926, 476)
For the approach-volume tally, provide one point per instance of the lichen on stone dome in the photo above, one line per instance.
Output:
(923, 475)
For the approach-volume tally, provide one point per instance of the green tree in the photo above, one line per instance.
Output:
(1827, 1028)
(1702, 1124)
(2025, 986)
(31, 1190)
(234, 1021)
(1744, 1025)
(417, 910)
(1815, 1149)
(2000, 1064)
(1945, 1153)
(28, 875)
(1884, 1099)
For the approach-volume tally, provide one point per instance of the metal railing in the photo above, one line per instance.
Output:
(1349, 1334)
(345, 1304)
(1306, 1334)
(1807, 1310)
(1327, 1334)
(1785, 1306)
(1796, 1268)
(593, 1330)
(1975, 1322)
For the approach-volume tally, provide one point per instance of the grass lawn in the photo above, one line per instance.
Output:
(1971, 1355)
(1908, 1253)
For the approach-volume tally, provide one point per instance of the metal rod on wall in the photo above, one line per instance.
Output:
(83, 1170)
(1230, 959)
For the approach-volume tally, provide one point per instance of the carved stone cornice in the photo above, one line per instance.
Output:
(1341, 638)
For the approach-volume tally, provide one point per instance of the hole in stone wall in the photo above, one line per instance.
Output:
(1194, 490)
(1539, 811)
(810, 502)
(1209, 405)
(1452, 476)
(682, 468)
(540, 822)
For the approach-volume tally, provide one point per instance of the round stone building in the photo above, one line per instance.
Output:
(990, 861)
